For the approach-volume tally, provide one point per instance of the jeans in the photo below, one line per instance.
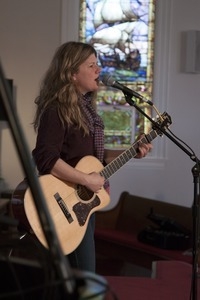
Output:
(83, 258)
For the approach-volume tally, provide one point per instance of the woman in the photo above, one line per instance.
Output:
(68, 128)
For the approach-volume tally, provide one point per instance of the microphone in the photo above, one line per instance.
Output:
(108, 80)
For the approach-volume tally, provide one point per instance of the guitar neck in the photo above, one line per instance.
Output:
(127, 155)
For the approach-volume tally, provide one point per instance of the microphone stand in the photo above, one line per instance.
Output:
(196, 179)
(61, 265)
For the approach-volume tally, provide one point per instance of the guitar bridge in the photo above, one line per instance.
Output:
(63, 207)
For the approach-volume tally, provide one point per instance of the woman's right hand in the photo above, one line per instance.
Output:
(94, 182)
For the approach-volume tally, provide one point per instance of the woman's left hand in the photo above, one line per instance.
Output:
(143, 149)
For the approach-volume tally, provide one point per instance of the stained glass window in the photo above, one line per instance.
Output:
(122, 32)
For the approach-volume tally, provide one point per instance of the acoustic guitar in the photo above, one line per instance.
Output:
(71, 205)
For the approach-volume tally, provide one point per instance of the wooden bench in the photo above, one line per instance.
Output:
(117, 230)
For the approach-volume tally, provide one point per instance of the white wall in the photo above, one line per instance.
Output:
(30, 31)
(29, 34)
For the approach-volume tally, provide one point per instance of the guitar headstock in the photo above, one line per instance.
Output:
(163, 121)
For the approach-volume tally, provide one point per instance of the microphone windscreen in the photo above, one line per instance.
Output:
(108, 80)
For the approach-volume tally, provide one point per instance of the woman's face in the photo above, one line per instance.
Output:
(87, 77)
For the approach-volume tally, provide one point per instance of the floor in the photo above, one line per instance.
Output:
(108, 267)
(172, 280)
(167, 280)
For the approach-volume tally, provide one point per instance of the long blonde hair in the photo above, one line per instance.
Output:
(57, 87)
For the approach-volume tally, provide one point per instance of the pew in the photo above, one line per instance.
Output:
(118, 229)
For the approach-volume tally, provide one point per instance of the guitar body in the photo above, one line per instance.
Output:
(70, 206)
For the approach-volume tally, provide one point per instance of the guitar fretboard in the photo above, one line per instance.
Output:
(128, 154)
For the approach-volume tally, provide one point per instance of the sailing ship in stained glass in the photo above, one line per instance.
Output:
(122, 32)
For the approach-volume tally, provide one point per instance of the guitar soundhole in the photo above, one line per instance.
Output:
(84, 193)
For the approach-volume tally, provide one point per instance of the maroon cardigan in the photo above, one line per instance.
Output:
(55, 141)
